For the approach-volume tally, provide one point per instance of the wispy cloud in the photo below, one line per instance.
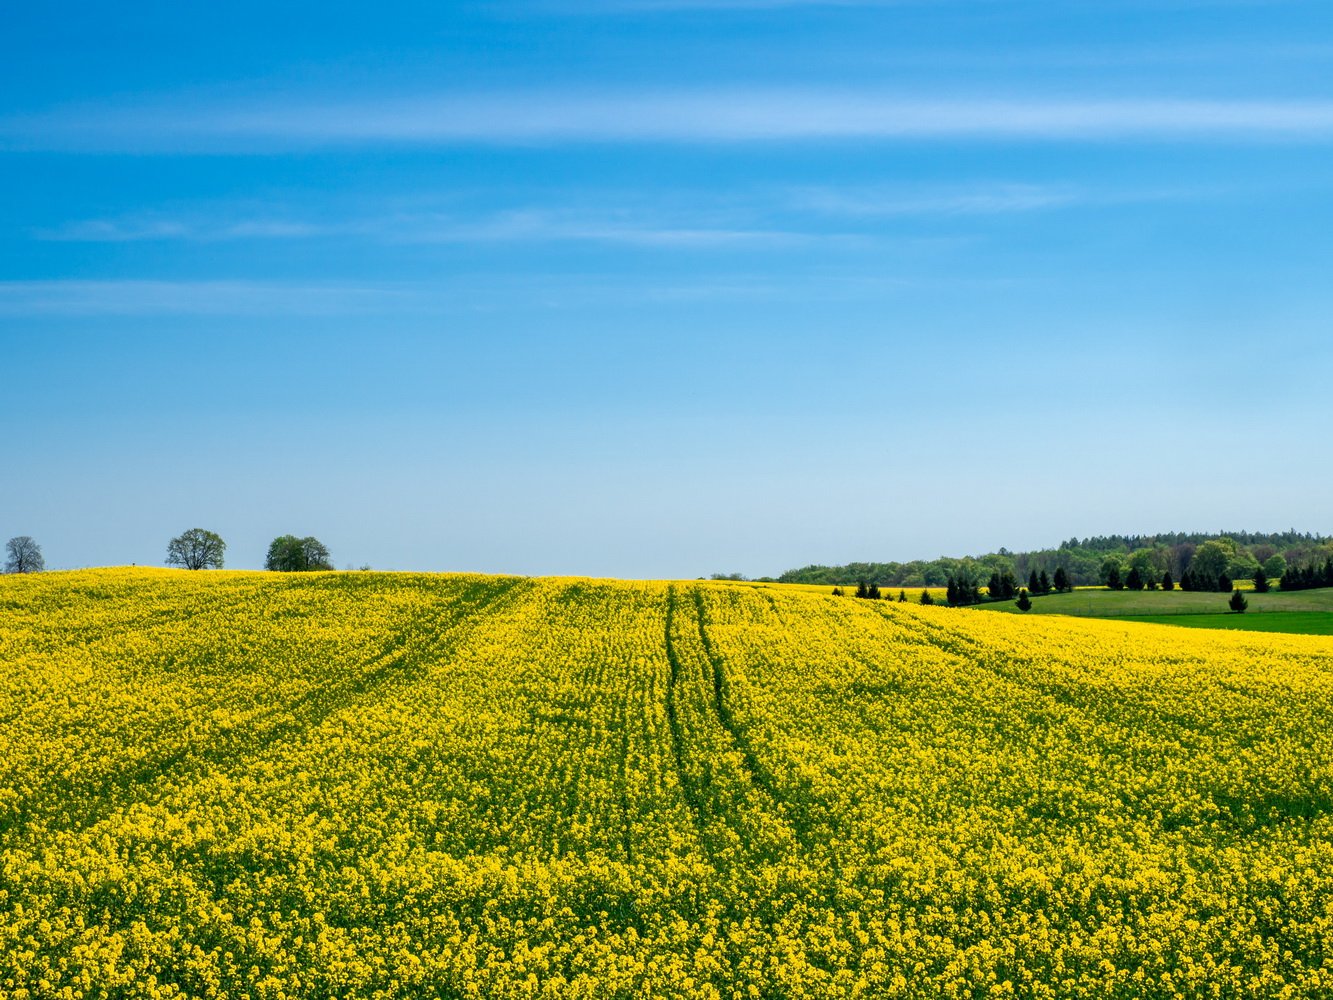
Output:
(727, 116)
(151, 228)
(889, 201)
(769, 219)
(542, 226)
(74, 298)
(511, 226)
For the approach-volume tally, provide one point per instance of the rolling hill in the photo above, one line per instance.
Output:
(362, 784)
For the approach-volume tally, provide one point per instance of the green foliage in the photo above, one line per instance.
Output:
(289, 554)
(1150, 563)
(1081, 560)
(1210, 562)
(1111, 570)
(1238, 602)
(1308, 577)
(1002, 586)
(196, 549)
(1024, 603)
(1242, 566)
(962, 589)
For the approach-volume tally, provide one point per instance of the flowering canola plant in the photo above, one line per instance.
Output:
(253, 785)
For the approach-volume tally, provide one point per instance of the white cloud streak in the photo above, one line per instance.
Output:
(873, 202)
(148, 229)
(541, 227)
(768, 220)
(74, 298)
(661, 117)
(515, 226)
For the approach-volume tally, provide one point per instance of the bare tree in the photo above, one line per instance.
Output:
(196, 549)
(23, 555)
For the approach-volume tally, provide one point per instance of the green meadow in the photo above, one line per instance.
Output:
(1308, 612)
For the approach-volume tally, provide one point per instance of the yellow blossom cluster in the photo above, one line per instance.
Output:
(271, 786)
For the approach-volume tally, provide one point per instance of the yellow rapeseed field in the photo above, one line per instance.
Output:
(263, 786)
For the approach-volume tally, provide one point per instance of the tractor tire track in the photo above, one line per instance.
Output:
(690, 791)
(796, 813)
(146, 782)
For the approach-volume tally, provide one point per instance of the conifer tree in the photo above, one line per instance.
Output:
(1167, 582)
(1238, 602)
(1260, 581)
(1024, 604)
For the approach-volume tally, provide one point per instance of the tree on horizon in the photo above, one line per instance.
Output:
(289, 554)
(23, 555)
(196, 548)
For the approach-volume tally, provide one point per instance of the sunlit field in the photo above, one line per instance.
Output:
(393, 785)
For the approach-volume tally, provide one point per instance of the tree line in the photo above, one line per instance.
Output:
(962, 588)
(1308, 577)
(194, 549)
(1083, 561)
(202, 549)
(871, 592)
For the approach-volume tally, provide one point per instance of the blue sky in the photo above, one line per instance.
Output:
(663, 287)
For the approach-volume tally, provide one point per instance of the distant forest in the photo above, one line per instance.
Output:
(1089, 561)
